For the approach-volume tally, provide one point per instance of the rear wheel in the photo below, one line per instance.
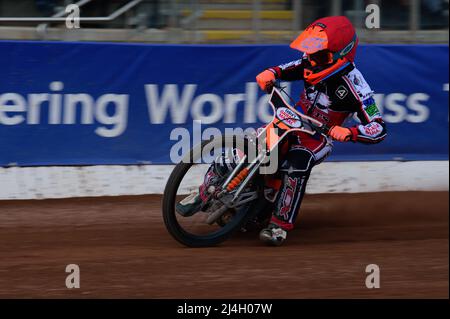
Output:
(195, 231)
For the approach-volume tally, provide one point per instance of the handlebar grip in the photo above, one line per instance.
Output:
(270, 87)
(326, 129)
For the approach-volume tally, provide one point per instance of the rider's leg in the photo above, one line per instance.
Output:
(295, 170)
(194, 202)
(216, 173)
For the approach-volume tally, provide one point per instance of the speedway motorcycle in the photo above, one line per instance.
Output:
(241, 201)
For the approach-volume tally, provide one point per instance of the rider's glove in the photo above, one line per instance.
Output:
(265, 79)
(341, 134)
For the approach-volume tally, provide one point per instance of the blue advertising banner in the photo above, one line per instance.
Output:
(65, 103)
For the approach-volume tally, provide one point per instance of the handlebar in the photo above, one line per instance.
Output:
(323, 129)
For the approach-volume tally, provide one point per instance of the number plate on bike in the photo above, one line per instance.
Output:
(288, 117)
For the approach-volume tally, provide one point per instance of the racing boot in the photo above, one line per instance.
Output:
(196, 201)
(189, 205)
(273, 235)
(216, 173)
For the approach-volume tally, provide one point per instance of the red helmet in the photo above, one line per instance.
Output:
(330, 44)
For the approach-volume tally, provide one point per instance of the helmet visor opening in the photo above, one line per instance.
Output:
(320, 58)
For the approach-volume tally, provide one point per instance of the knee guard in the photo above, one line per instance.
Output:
(295, 170)
(298, 162)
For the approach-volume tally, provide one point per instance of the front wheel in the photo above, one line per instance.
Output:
(187, 176)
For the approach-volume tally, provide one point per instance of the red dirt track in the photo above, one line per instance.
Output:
(124, 251)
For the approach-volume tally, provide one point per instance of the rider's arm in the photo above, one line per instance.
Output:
(372, 128)
(358, 97)
(292, 71)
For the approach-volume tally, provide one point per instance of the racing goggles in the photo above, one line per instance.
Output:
(319, 58)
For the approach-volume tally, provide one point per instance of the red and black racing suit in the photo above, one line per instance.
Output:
(331, 101)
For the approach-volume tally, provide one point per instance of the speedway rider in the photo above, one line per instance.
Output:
(334, 90)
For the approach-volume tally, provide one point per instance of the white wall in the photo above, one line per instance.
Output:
(332, 177)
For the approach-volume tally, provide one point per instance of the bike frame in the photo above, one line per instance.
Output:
(286, 119)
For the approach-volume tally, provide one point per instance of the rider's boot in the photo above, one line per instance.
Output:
(189, 205)
(273, 235)
(193, 203)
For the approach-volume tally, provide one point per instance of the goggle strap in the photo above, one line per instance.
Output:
(346, 50)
